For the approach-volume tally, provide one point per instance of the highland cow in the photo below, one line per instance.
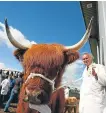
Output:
(44, 65)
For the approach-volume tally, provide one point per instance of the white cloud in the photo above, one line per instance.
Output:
(16, 34)
(72, 73)
(2, 65)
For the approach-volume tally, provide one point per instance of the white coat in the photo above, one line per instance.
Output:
(66, 92)
(5, 84)
(93, 91)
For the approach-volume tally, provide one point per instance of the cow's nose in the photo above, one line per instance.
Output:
(39, 97)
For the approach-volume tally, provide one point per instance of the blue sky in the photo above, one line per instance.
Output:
(42, 22)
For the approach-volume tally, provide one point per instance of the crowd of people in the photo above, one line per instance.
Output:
(10, 85)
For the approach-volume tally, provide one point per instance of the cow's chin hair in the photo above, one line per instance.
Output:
(35, 99)
(30, 99)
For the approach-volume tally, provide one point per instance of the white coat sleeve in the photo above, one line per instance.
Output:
(101, 75)
(2, 83)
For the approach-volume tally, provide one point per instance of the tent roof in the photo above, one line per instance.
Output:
(89, 9)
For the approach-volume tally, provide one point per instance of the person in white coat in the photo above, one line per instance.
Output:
(66, 91)
(5, 84)
(93, 88)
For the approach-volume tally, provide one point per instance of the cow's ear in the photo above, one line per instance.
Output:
(18, 53)
(71, 55)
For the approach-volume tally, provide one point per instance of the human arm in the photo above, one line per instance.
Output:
(2, 83)
(101, 75)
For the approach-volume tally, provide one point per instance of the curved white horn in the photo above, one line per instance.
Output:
(12, 40)
(84, 38)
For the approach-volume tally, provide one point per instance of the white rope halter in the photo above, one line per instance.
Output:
(32, 75)
(41, 108)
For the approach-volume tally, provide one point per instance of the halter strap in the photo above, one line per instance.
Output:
(42, 108)
(32, 75)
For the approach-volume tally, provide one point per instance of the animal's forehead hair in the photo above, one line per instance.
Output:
(47, 47)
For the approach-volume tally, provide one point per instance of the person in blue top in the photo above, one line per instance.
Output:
(12, 82)
(14, 91)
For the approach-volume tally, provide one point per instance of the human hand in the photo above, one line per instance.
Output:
(94, 73)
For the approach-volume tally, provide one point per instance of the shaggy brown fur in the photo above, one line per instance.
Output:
(57, 101)
(49, 60)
